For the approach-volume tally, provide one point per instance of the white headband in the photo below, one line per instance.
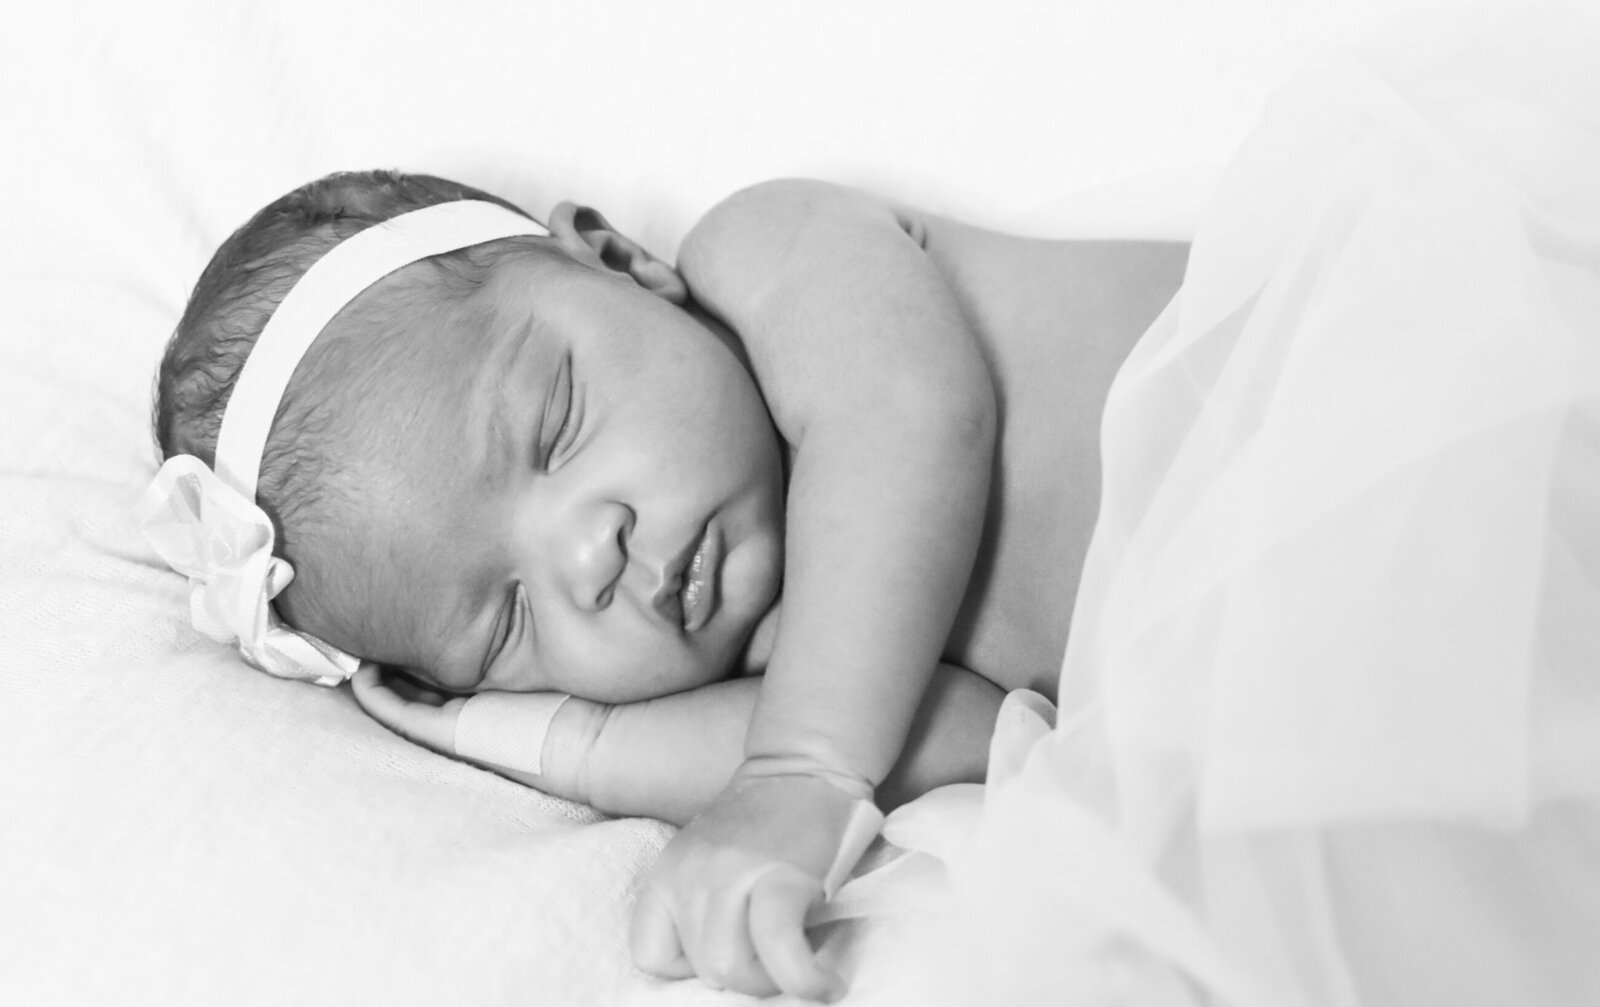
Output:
(207, 525)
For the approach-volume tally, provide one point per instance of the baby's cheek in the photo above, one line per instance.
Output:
(751, 576)
(630, 670)
(682, 667)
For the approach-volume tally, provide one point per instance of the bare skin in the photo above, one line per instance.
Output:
(1056, 320)
(894, 350)
(866, 357)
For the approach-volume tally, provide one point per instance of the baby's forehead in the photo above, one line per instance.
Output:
(396, 391)
(424, 339)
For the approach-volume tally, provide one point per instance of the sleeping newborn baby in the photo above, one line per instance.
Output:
(844, 445)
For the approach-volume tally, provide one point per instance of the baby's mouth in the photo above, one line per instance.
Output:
(699, 594)
(688, 598)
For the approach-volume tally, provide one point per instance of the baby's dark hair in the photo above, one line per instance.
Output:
(242, 286)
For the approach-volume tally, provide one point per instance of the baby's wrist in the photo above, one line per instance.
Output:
(569, 749)
(762, 766)
(846, 812)
(543, 740)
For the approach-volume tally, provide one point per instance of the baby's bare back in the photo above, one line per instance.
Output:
(1056, 320)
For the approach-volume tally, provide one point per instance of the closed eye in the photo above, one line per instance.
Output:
(560, 415)
(498, 634)
(507, 625)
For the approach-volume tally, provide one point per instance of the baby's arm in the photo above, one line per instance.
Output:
(668, 758)
(875, 380)
(878, 385)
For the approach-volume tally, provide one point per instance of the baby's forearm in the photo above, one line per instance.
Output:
(668, 758)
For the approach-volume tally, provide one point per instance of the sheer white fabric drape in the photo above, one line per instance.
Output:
(1330, 723)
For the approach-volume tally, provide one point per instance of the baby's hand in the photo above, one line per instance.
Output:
(409, 710)
(729, 895)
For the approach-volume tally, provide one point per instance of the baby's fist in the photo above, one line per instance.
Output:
(729, 896)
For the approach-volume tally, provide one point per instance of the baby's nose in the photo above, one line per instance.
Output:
(597, 554)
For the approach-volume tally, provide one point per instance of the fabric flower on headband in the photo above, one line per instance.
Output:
(222, 542)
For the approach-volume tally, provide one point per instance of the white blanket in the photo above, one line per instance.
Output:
(180, 830)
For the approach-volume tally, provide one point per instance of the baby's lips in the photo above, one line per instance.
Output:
(700, 589)
(668, 600)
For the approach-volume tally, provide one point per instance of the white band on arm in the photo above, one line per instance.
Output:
(507, 729)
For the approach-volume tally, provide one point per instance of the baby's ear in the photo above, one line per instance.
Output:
(589, 237)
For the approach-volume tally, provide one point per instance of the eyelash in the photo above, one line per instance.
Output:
(565, 431)
(513, 622)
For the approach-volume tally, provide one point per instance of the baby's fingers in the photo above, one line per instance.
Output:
(428, 725)
(778, 906)
(721, 951)
(653, 938)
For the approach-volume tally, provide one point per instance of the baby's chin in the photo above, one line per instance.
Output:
(745, 650)
(665, 671)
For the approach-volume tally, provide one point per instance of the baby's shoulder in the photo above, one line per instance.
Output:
(780, 232)
(829, 289)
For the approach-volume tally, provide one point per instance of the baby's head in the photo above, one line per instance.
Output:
(524, 465)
